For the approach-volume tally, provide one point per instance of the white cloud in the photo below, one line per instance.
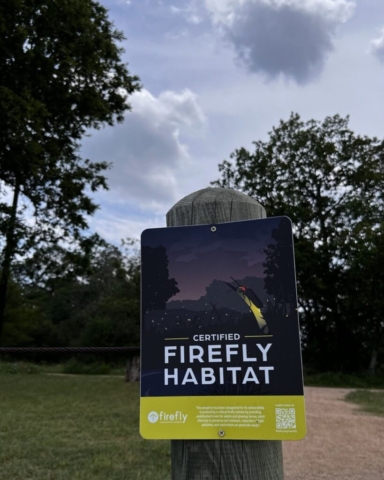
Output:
(194, 19)
(190, 12)
(175, 9)
(377, 47)
(281, 37)
(113, 228)
(146, 150)
(176, 35)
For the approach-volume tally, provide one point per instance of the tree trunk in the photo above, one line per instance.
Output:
(373, 362)
(217, 459)
(9, 251)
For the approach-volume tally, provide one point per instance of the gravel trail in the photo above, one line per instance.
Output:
(342, 443)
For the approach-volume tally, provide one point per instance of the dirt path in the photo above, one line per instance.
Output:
(342, 443)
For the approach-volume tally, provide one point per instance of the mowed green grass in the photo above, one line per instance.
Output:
(55, 427)
(370, 402)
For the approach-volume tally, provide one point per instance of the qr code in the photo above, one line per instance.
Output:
(285, 418)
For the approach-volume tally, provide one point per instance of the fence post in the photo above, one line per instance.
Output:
(222, 459)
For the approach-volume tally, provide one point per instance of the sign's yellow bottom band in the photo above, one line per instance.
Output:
(223, 417)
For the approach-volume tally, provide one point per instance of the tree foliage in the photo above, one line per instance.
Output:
(25, 320)
(277, 267)
(95, 306)
(330, 182)
(61, 73)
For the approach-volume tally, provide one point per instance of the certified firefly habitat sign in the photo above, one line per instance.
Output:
(220, 346)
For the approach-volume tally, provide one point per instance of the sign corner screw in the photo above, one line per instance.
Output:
(221, 433)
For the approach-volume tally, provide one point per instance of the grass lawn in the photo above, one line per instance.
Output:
(343, 380)
(370, 402)
(72, 427)
(56, 427)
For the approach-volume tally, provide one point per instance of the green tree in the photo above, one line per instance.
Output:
(89, 303)
(363, 290)
(60, 74)
(111, 317)
(25, 321)
(330, 182)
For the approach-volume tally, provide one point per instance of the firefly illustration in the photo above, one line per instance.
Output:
(253, 302)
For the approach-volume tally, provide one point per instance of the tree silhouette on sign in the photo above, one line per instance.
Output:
(157, 287)
(279, 267)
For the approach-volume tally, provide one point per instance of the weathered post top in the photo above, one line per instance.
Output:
(222, 459)
(214, 205)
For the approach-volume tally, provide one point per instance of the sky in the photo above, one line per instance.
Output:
(217, 75)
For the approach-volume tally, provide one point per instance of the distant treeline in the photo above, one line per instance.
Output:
(57, 298)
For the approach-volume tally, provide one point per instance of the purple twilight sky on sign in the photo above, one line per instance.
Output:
(196, 264)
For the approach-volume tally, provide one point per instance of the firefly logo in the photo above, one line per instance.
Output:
(163, 417)
(153, 417)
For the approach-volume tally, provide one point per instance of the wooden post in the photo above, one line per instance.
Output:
(132, 369)
(222, 459)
